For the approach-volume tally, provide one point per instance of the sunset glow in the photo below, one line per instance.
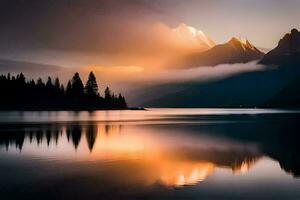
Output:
(157, 155)
(149, 99)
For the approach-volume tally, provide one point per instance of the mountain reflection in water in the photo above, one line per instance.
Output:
(142, 159)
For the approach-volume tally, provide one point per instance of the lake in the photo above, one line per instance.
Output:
(152, 154)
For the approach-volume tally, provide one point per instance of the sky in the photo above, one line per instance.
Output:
(133, 35)
(262, 21)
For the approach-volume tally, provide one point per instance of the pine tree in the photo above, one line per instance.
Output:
(107, 94)
(120, 99)
(56, 86)
(62, 89)
(39, 83)
(52, 95)
(57, 83)
(49, 84)
(32, 83)
(69, 88)
(123, 102)
(91, 87)
(21, 78)
(77, 86)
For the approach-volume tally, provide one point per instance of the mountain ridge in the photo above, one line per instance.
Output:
(233, 51)
(273, 87)
(287, 51)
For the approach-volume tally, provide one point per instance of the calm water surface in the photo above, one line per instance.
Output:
(153, 154)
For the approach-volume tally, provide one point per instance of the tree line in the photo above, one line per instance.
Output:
(20, 94)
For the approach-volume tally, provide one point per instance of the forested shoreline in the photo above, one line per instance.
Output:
(21, 94)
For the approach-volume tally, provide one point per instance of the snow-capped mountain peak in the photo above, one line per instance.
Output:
(191, 34)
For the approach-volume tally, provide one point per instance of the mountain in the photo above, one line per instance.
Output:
(192, 36)
(234, 51)
(271, 87)
(287, 52)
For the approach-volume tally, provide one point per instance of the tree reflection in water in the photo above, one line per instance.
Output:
(178, 155)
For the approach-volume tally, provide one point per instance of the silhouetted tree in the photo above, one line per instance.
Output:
(91, 87)
(57, 87)
(21, 78)
(49, 84)
(62, 89)
(107, 94)
(69, 89)
(57, 83)
(40, 83)
(32, 83)
(21, 94)
(77, 89)
(122, 101)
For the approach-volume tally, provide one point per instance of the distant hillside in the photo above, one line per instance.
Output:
(245, 90)
(288, 97)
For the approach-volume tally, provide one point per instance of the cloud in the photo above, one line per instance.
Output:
(136, 74)
(121, 32)
(96, 25)
(127, 79)
(149, 45)
(207, 73)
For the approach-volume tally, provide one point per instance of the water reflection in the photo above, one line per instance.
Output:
(174, 159)
(180, 157)
(146, 159)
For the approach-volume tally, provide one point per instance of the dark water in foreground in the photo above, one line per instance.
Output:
(155, 154)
